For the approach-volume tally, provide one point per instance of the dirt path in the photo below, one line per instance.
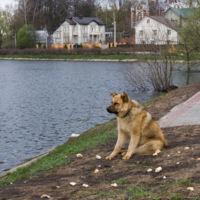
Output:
(179, 165)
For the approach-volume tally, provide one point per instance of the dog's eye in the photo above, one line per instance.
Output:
(115, 104)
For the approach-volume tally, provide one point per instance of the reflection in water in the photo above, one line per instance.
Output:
(43, 103)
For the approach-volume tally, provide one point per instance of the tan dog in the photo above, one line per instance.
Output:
(136, 124)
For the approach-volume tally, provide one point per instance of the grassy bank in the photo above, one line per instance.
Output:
(81, 56)
(59, 156)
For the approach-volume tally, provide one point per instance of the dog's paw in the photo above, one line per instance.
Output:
(109, 157)
(126, 157)
(123, 153)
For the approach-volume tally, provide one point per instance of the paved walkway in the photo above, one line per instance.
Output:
(187, 113)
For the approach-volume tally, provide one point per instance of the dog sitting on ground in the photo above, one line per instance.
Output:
(136, 124)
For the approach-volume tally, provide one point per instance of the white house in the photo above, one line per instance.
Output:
(80, 30)
(155, 30)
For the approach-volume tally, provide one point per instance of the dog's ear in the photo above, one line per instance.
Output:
(113, 94)
(124, 97)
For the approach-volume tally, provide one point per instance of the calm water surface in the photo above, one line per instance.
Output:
(43, 102)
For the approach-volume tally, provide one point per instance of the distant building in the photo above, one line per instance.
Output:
(156, 30)
(153, 8)
(43, 37)
(138, 12)
(80, 30)
(179, 16)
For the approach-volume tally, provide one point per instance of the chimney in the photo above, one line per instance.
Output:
(69, 17)
(80, 16)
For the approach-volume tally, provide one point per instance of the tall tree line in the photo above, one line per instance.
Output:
(50, 13)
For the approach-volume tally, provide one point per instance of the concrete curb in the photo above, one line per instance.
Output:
(73, 60)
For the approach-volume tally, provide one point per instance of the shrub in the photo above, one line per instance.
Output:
(65, 47)
(97, 47)
(26, 37)
(39, 45)
(80, 46)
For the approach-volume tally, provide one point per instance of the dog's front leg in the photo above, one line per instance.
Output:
(120, 142)
(132, 146)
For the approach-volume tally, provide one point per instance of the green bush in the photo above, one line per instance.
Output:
(97, 47)
(80, 46)
(26, 37)
(65, 47)
(100, 41)
(39, 45)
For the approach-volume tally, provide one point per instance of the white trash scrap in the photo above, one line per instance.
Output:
(98, 157)
(45, 196)
(72, 183)
(114, 185)
(85, 185)
(96, 170)
(159, 169)
(74, 135)
(149, 170)
(190, 188)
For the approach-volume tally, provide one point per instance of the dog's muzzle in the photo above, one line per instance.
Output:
(111, 111)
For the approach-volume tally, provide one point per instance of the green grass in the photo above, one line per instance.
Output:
(58, 158)
(134, 192)
(120, 181)
(112, 119)
(150, 101)
(81, 56)
(184, 181)
(176, 197)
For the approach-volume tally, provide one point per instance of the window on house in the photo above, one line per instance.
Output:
(148, 21)
(92, 29)
(152, 41)
(142, 41)
(139, 15)
(168, 42)
(168, 32)
(141, 33)
(58, 35)
(154, 32)
(99, 29)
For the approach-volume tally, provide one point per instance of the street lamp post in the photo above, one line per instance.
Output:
(114, 33)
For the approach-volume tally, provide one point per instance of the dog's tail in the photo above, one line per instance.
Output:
(165, 143)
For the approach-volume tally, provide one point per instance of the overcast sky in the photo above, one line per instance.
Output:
(4, 2)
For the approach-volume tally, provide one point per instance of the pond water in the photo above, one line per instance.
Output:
(44, 102)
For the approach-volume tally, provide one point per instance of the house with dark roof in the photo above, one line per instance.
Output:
(80, 30)
(179, 16)
(156, 30)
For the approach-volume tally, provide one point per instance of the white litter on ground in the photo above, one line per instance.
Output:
(98, 157)
(74, 135)
(159, 169)
(85, 185)
(72, 183)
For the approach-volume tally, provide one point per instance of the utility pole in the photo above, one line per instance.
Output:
(114, 33)
(15, 40)
(15, 36)
(46, 35)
